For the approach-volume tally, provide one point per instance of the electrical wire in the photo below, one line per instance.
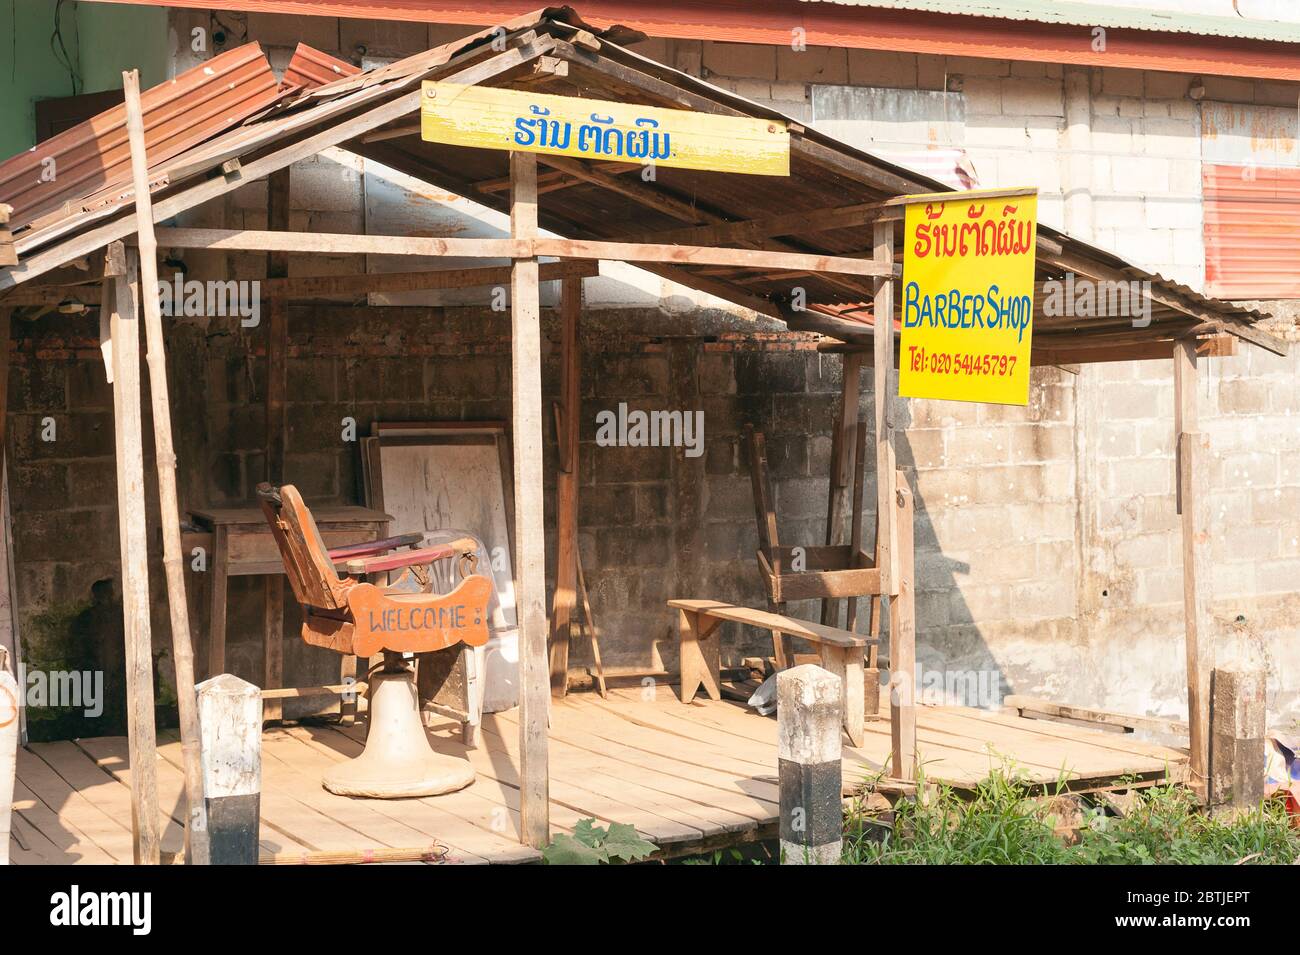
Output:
(60, 49)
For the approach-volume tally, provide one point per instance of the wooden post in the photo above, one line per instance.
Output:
(120, 301)
(566, 487)
(6, 315)
(887, 533)
(808, 716)
(1194, 506)
(1237, 729)
(218, 581)
(196, 839)
(769, 540)
(699, 654)
(844, 461)
(871, 671)
(277, 343)
(230, 718)
(8, 750)
(530, 534)
(902, 644)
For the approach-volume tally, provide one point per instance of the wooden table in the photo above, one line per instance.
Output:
(238, 542)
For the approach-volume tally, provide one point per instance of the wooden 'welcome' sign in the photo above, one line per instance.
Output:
(521, 121)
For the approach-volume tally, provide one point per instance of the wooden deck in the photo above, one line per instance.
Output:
(688, 777)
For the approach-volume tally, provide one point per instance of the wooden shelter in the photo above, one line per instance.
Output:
(818, 250)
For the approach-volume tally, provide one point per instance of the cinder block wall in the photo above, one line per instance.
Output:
(1048, 551)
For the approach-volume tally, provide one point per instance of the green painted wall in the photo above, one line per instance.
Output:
(102, 39)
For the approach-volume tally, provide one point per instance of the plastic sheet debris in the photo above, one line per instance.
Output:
(764, 698)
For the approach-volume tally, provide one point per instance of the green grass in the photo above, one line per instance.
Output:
(1001, 824)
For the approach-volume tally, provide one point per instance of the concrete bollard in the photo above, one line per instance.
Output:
(230, 731)
(809, 719)
(1237, 721)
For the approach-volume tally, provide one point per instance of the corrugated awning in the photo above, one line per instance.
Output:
(1096, 15)
(824, 207)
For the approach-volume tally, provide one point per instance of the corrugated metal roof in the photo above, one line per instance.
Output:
(1094, 15)
(95, 157)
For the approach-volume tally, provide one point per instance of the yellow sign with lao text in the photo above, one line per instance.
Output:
(967, 300)
(521, 121)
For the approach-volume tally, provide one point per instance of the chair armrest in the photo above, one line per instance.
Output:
(369, 548)
(372, 565)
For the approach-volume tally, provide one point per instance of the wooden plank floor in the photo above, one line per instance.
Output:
(688, 777)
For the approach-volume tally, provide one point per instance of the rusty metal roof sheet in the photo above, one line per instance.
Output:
(309, 68)
(596, 204)
(94, 156)
(1252, 231)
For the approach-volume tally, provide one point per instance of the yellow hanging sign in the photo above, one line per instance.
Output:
(967, 300)
(521, 121)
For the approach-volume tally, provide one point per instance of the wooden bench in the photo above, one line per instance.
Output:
(841, 652)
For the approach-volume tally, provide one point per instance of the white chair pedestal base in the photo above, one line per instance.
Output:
(398, 761)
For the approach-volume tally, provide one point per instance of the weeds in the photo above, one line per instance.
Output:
(1001, 823)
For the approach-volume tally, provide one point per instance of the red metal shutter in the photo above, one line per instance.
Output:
(1252, 232)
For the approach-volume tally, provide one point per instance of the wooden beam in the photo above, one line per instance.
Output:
(530, 533)
(883, 383)
(120, 304)
(628, 187)
(305, 286)
(664, 201)
(637, 252)
(1194, 505)
(757, 230)
(196, 825)
(335, 243)
(554, 178)
(1033, 708)
(432, 279)
(566, 487)
(252, 240)
(557, 223)
(87, 294)
(278, 190)
(822, 324)
(1217, 346)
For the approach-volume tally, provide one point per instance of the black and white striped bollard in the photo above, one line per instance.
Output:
(808, 749)
(230, 730)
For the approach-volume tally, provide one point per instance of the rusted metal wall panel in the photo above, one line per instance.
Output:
(1252, 231)
(178, 114)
